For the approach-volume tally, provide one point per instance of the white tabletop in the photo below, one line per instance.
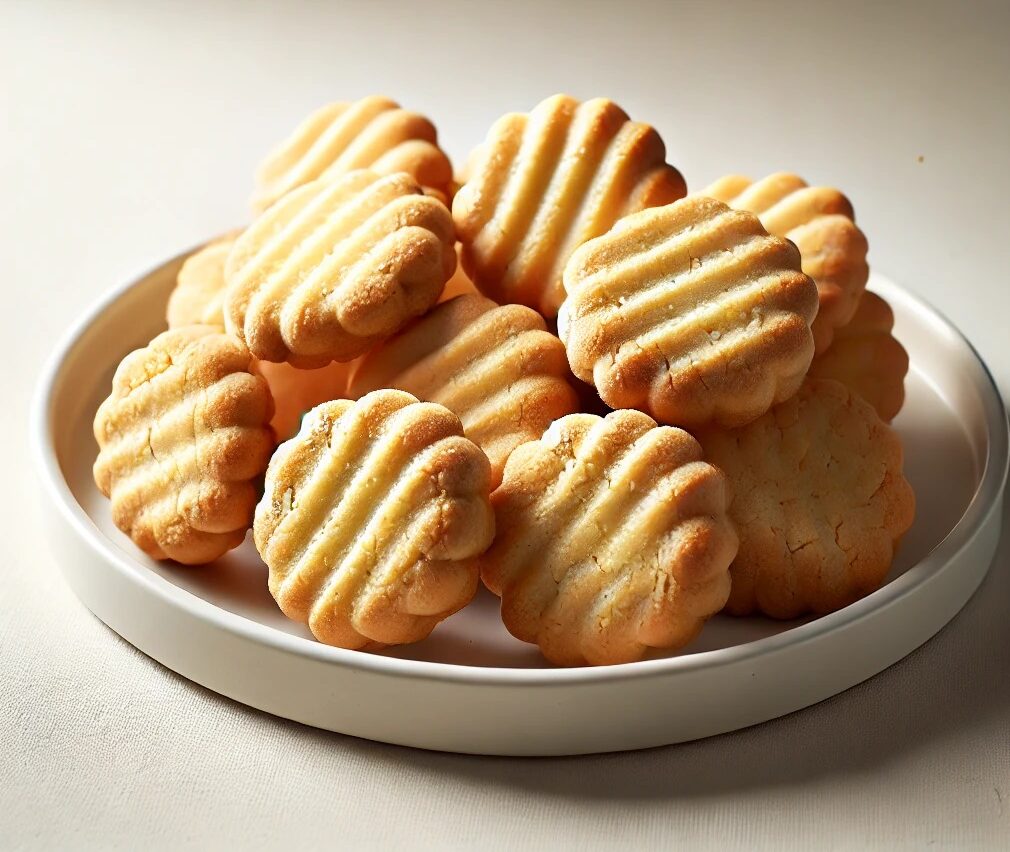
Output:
(129, 131)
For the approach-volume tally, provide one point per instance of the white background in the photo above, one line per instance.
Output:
(129, 131)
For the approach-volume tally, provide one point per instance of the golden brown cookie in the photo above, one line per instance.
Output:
(612, 540)
(373, 133)
(336, 266)
(865, 357)
(372, 518)
(820, 502)
(182, 439)
(296, 391)
(545, 182)
(691, 313)
(497, 368)
(198, 296)
(820, 221)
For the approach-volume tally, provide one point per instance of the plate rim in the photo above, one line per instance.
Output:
(56, 488)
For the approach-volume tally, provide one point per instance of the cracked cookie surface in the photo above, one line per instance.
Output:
(182, 440)
(690, 312)
(612, 539)
(821, 222)
(371, 520)
(866, 357)
(544, 182)
(819, 502)
(496, 367)
(372, 133)
(337, 265)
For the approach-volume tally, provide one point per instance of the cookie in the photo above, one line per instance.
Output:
(336, 266)
(497, 368)
(820, 502)
(820, 221)
(372, 518)
(866, 357)
(198, 296)
(691, 313)
(373, 133)
(296, 391)
(545, 182)
(182, 440)
(612, 539)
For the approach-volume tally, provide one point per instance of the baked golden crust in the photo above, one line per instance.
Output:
(296, 391)
(612, 539)
(372, 133)
(372, 516)
(543, 183)
(690, 312)
(821, 222)
(198, 297)
(337, 265)
(497, 368)
(820, 502)
(182, 439)
(865, 357)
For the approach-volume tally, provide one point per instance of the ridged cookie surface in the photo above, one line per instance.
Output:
(866, 357)
(198, 297)
(372, 517)
(497, 368)
(819, 503)
(690, 312)
(372, 133)
(820, 221)
(612, 539)
(337, 265)
(543, 183)
(182, 439)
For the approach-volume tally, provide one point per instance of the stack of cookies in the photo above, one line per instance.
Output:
(622, 407)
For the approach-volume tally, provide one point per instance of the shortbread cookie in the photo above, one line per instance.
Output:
(182, 440)
(296, 391)
(373, 133)
(867, 358)
(545, 182)
(497, 368)
(372, 518)
(820, 221)
(820, 502)
(336, 266)
(691, 313)
(612, 539)
(198, 296)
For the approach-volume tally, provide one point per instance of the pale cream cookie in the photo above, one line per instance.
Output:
(543, 183)
(612, 539)
(182, 440)
(336, 266)
(866, 357)
(691, 313)
(497, 368)
(820, 221)
(373, 133)
(820, 502)
(198, 297)
(372, 518)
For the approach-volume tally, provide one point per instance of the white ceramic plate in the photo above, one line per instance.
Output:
(471, 687)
